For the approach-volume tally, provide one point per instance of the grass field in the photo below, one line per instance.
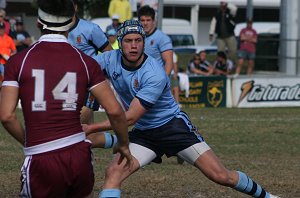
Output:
(264, 143)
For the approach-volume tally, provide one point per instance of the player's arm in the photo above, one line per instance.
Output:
(167, 56)
(114, 111)
(100, 139)
(117, 119)
(8, 102)
(133, 114)
(107, 48)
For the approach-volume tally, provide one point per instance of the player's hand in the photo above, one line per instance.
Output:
(124, 155)
(87, 129)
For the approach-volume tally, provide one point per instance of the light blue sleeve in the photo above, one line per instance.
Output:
(98, 37)
(165, 43)
(103, 60)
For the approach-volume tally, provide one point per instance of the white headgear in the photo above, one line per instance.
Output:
(53, 22)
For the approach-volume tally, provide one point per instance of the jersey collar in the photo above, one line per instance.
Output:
(152, 32)
(53, 38)
(133, 68)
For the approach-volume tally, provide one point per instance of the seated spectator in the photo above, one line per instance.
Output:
(112, 38)
(199, 65)
(21, 37)
(115, 23)
(222, 66)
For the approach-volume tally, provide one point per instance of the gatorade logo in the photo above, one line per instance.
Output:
(259, 93)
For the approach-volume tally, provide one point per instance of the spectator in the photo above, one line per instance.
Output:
(3, 20)
(21, 37)
(115, 23)
(199, 65)
(89, 38)
(51, 79)
(222, 66)
(223, 24)
(112, 37)
(248, 38)
(121, 8)
(7, 48)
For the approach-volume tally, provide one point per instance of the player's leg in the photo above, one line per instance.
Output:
(210, 165)
(199, 154)
(102, 139)
(115, 174)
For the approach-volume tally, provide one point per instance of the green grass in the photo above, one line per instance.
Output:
(264, 143)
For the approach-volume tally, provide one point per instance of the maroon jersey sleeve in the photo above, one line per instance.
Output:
(12, 69)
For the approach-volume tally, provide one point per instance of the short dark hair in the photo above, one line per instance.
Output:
(146, 11)
(221, 54)
(57, 7)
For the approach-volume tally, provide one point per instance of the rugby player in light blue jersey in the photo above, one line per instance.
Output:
(89, 38)
(160, 128)
(157, 44)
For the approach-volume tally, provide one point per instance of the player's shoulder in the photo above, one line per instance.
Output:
(151, 65)
(89, 24)
(158, 33)
(108, 58)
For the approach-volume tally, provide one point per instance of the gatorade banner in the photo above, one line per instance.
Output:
(266, 92)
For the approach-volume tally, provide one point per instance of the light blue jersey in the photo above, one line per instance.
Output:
(149, 83)
(156, 43)
(88, 37)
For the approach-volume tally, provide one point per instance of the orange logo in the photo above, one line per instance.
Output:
(78, 39)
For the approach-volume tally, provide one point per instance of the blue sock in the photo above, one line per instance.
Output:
(110, 140)
(110, 193)
(248, 186)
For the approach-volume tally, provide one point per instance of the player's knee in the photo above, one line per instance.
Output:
(222, 177)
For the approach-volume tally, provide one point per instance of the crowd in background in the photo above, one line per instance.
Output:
(13, 38)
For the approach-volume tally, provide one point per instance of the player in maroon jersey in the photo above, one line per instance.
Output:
(51, 78)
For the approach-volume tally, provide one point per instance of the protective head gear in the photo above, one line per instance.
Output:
(130, 27)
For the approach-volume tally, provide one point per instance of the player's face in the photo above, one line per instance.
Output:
(133, 48)
(148, 24)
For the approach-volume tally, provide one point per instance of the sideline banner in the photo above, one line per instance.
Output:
(266, 92)
(205, 92)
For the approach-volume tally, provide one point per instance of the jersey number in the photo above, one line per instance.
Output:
(65, 90)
